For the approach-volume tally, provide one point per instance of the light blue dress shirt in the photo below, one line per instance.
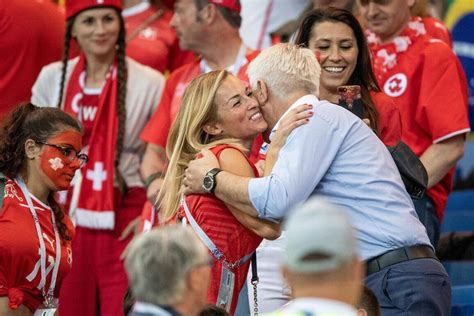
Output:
(338, 157)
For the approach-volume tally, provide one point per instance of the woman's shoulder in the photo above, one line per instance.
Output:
(57, 67)
(143, 72)
(234, 160)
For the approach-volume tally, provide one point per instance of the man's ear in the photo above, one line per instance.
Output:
(213, 129)
(261, 92)
(361, 312)
(31, 149)
(208, 13)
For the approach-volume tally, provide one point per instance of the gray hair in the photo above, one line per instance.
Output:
(286, 68)
(158, 262)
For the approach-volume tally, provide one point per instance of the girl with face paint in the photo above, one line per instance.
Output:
(113, 96)
(40, 150)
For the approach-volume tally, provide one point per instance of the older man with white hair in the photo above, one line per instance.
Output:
(168, 271)
(338, 157)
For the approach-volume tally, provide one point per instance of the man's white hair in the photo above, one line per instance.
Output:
(286, 68)
(158, 262)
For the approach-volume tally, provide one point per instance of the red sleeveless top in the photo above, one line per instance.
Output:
(232, 238)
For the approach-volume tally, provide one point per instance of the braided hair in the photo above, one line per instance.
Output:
(121, 91)
(28, 121)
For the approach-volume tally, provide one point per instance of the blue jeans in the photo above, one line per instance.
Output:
(427, 216)
(416, 287)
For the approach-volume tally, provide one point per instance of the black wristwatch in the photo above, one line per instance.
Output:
(209, 182)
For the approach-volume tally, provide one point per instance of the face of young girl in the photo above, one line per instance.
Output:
(60, 163)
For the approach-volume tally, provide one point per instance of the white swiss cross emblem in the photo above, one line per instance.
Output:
(396, 85)
(97, 176)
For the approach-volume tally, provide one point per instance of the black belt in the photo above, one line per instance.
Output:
(398, 255)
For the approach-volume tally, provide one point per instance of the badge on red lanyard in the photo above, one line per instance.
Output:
(49, 300)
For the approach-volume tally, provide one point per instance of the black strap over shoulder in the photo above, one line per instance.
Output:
(411, 169)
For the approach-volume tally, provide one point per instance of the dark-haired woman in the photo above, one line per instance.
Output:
(113, 97)
(40, 150)
(337, 37)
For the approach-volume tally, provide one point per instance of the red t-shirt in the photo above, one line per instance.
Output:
(32, 35)
(156, 45)
(428, 86)
(232, 238)
(157, 129)
(19, 249)
(390, 124)
(436, 29)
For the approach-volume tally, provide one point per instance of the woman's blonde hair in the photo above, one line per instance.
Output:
(187, 137)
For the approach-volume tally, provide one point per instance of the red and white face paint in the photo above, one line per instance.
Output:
(54, 164)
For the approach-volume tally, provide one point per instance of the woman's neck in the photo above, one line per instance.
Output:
(37, 188)
(97, 69)
(248, 145)
(327, 95)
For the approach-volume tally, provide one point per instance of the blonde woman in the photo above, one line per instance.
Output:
(219, 113)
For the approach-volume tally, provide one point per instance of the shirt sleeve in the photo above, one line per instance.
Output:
(156, 130)
(442, 98)
(302, 163)
(45, 91)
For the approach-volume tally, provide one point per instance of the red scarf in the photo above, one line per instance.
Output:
(95, 206)
(385, 55)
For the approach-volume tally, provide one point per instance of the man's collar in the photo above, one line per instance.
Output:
(306, 99)
(141, 307)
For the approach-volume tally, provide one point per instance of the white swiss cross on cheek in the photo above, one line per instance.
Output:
(97, 176)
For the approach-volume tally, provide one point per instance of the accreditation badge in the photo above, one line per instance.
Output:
(45, 312)
(226, 288)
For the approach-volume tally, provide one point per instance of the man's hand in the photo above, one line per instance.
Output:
(197, 169)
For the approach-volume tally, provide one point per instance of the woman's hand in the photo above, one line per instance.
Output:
(296, 117)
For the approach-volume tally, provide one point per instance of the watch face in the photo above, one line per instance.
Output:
(207, 183)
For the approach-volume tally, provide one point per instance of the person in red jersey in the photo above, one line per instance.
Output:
(113, 96)
(427, 83)
(210, 28)
(219, 113)
(40, 151)
(337, 37)
(150, 39)
(31, 37)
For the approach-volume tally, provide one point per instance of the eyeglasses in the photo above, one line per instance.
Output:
(70, 154)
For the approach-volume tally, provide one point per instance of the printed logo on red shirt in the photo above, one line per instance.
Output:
(396, 85)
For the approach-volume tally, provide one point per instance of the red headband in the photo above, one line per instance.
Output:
(73, 7)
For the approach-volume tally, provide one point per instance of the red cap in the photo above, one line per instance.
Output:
(233, 5)
(73, 7)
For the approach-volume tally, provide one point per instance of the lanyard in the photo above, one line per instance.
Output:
(49, 296)
(208, 242)
(239, 60)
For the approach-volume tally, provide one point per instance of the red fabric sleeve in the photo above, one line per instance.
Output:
(442, 91)
(436, 29)
(390, 123)
(156, 130)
